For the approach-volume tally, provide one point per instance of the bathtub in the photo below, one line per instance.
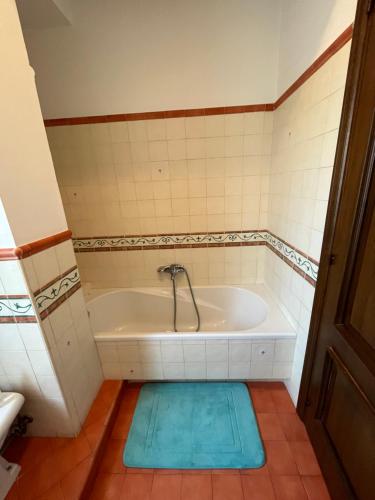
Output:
(243, 335)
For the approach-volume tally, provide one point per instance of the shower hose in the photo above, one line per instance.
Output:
(175, 302)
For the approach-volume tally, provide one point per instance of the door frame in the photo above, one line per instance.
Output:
(364, 7)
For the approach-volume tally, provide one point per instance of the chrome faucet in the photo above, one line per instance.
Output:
(172, 269)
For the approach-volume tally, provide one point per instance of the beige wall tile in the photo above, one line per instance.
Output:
(195, 127)
(156, 130)
(177, 149)
(175, 128)
(225, 172)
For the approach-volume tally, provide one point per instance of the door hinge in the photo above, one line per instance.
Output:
(332, 259)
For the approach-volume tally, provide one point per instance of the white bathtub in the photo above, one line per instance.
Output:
(148, 312)
(243, 334)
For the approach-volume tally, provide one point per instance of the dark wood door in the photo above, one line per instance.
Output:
(337, 398)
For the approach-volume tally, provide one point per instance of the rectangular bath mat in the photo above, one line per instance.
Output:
(188, 425)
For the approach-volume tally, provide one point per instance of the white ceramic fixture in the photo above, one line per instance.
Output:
(243, 336)
(226, 311)
(10, 405)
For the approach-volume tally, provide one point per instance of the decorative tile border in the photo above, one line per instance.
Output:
(16, 309)
(300, 262)
(20, 308)
(52, 295)
(162, 241)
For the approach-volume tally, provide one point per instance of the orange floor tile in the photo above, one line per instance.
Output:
(291, 471)
(62, 469)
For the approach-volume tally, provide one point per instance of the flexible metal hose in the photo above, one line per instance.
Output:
(195, 304)
(174, 304)
(173, 277)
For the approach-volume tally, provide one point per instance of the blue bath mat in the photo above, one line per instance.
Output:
(203, 425)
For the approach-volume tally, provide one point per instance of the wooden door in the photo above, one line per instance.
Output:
(337, 397)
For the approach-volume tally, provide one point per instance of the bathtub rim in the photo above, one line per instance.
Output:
(96, 293)
(178, 337)
(275, 327)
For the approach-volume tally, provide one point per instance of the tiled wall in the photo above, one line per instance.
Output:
(304, 144)
(25, 363)
(164, 176)
(47, 351)
(175, 175)
(54, 280)
(197, 359)
(231, 265)
(31, 217)
(231, 172)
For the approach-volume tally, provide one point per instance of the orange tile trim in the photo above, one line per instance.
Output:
(34, 247)
(318, 63)
(340, 41)
(153, 115)
(119, 389)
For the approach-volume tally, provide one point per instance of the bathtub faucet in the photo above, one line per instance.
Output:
(172, 269)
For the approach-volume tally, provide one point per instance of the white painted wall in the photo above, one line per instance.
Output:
(122, 56)
(28, 187)
(6, 236)
(131, 56)
(307, 29)
(30, 208)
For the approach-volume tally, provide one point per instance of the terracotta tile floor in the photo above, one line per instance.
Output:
(291, 471)
(59, 468)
